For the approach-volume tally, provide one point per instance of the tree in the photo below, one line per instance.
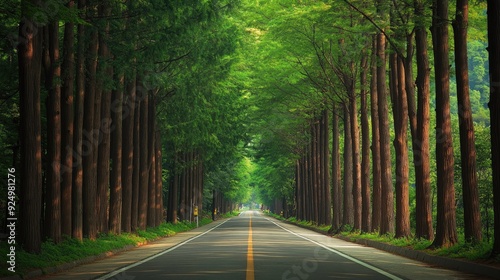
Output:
(494, 105)
(53, 187)
(420, 139)
(472, 217)
(67, 122)
(116, 187)
(446, 234)
(30, 62)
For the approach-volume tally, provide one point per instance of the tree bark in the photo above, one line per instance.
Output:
(102, 119)
(387, 203)
(348, 170)
(446, 234)
(144, 170)
(494, 105)
(365, 149)
(336, 176)
(116, 188)
(90, 140)
(128, 114)
(67, 117)
(377, 188)
(151, 215)
(30, 63)
(53, 187)
(472, 216)
(424, 228)
(136, 174)
(77, 178)
(159, 181)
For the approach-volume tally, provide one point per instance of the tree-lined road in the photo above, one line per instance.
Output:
(252, 246)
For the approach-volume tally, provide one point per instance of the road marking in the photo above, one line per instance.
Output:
(250, 268)
(387, 274)
(118, 271)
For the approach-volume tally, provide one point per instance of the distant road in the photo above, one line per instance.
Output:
(252, 246)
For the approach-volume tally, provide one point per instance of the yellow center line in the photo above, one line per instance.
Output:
(250, 269)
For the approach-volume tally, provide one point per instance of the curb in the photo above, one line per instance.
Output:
(449, 263)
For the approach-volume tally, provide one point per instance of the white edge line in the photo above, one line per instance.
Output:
(120, 270)
(391, 276)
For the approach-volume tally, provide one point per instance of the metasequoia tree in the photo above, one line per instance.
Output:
(446, 234)
(470, 196)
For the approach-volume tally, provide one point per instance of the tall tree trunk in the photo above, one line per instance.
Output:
(151, 216)
(102, 120)
(77, 178)
(472, 216)
(377, 185)
(136, 174)
(356, 163)
(30, 63)
(128, 152)
(348, 170)
(494, 105)
(421, 144)
(336, 176)
(159, 181)
(90, 139)
(387, 203)
(144, 170)
(446, 232)
(400, 112)
(365, 149)
(67, 117)
(53, 187)
(116, 189)
(326, 169)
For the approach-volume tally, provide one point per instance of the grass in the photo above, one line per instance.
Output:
(72, 250)
(462, 250)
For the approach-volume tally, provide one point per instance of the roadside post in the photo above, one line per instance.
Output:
(196, 214)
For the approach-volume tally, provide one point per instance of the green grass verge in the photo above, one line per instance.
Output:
(462, 250)
(72, 250)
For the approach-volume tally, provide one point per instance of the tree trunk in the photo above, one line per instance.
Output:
(494, 105)
(421, 152)
(336, 177)
(116, 188)
(53, 187)
(159, 181)
(128, 113)
(90, 139)
(77, 178)
(356, 163)
(30, 63)
(68, 79)
(151, 215)
(446, 234)
(144, 170)
(387, 203)
(472, 216)
(326, 169)
(348, 170)
(400, 112)
(136, 174)
(377, 188)
(102, 120)
(365, 150)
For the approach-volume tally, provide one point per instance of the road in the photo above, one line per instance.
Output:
(252, 246)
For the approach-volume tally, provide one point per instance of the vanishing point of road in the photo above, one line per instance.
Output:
(253, 247)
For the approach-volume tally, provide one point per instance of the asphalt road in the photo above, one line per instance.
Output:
(252, 246)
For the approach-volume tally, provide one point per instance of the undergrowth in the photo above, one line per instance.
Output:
(72, 249)
(462, 250)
